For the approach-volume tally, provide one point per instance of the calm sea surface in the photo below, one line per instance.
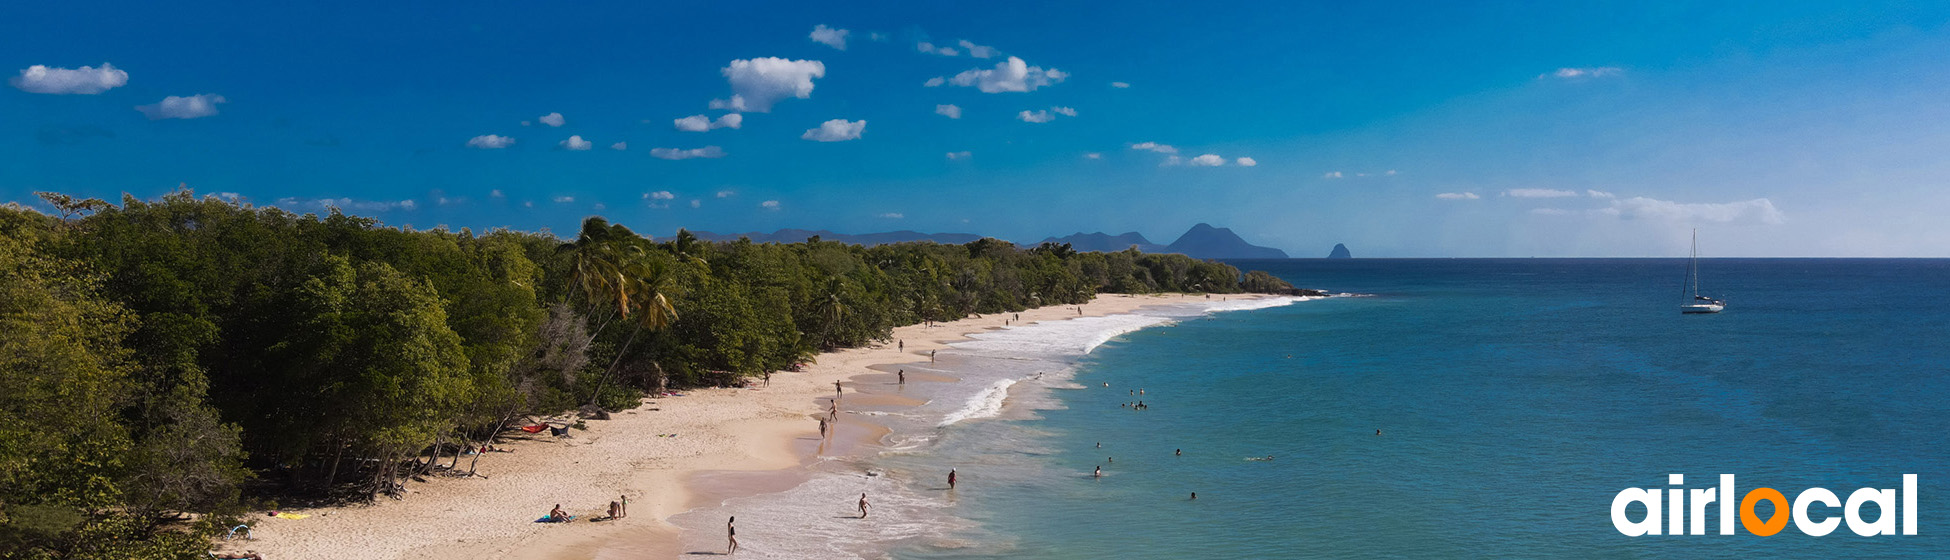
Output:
(1515, 399)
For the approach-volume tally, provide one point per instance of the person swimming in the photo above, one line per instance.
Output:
(1099, 473)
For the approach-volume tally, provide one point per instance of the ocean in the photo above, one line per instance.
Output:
(1514, 398)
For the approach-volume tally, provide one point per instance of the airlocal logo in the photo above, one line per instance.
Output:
(1678, 502)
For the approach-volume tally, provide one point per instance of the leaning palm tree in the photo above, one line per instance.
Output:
(833, 307)
(644, 282)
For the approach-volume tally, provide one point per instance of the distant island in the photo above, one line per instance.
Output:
(1203, 241)
(1339, 252)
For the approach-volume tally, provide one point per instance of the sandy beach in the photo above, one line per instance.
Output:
(667, 456)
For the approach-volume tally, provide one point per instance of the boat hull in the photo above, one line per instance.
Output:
(1703, 308)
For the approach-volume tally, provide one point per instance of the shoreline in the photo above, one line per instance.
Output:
(728, 443)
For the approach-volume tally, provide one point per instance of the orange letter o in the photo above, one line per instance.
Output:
(1774, 524)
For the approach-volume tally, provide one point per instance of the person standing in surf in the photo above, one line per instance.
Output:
(863, 506)
(731, 535)
(951, 479)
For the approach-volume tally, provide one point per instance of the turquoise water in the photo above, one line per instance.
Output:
(1515, 399)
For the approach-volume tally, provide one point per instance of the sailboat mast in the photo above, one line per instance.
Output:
(1693, 270)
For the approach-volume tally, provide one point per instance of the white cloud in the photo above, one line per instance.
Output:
(577, 143)
(1208, 160)
(1593, 72)
(1246, 162)
(836, 130)
(1155, 147)
(1390, 173)
(1332, 175)
(727, 194)
(758, 83)
(1457, 196)
(620, 146)
(564, 199)
(85, 80)
(1599, 194)
(1171, 160)
(769, 205)
(674, 153)
(1065, 111)
(1119, 85)
(1093, 155)
(528, 204)
(696, 203)
(551, 119)
(930, 48)
(893, 215)
(600, 206)
(830, 37)
(1035, 117)
(950, 111)
(173, 107)
(490, 142)
(1641, 208)
(347, 204)
(1550, 211)
(701, 123)
(1538, 193)
(496, 193)
(964, 154)
(659, 195)
(1009, 75)
(934, 82)
(977, 51)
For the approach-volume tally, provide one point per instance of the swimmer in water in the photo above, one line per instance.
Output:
(1178, 452)
(1099, 473)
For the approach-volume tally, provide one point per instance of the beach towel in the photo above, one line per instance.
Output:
(293, 515)
(547, 519)
(535, 429)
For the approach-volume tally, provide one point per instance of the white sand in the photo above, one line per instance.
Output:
(717, 430)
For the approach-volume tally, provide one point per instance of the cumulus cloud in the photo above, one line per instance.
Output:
(1593, 72)
(696, 203)
(1538, 193)
(674, 153)
(893, 215)
(192, 107)
(769, 205)
(758, 83)
(1065, 111)
(496, 193)
(1550, 211)
(564, 199)
(1154, 147)
(830, 37)
(1598, 194)
(551, 119)
(977, 51)
(727, 194)
(836, 130)
(1009, 75)
(620, 146)
(934, 82)
(964, 154)
(576, 143)
(1332, 175)
(701, 123)
(1093, 155)
(1208, 160)
(950, 111)
(1035, 116)
(85, 80)
(348, 204)
(930, 48)
(1246, 162)
(1457, 196)
(1640, 208)
(659, 195)
(1119, 85)
(490, 142)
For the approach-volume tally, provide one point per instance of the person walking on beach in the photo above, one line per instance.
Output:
(930, 356)
(731, 535)
(624, 502)
(863, 506)
(951, 479)
(902, 375)
(903, 344)
(836, 387)
(834, 412)
(822, 428)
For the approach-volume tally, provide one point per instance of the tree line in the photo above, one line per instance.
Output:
(191, 354)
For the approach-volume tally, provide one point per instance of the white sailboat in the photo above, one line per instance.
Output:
(1698, 303)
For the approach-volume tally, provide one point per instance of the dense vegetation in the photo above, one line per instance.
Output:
(193, 355)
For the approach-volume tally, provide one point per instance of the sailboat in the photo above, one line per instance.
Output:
(1698, 303)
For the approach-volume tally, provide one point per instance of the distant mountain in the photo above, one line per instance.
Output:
(870, 239)
(1207, 242)
(1105, 243)
(1339, 252)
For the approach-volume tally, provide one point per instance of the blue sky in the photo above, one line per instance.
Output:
(1400, 129)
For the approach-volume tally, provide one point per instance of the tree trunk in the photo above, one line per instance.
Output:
(612, 364)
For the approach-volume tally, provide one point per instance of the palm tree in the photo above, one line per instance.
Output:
(643, 282)
(833, 307)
